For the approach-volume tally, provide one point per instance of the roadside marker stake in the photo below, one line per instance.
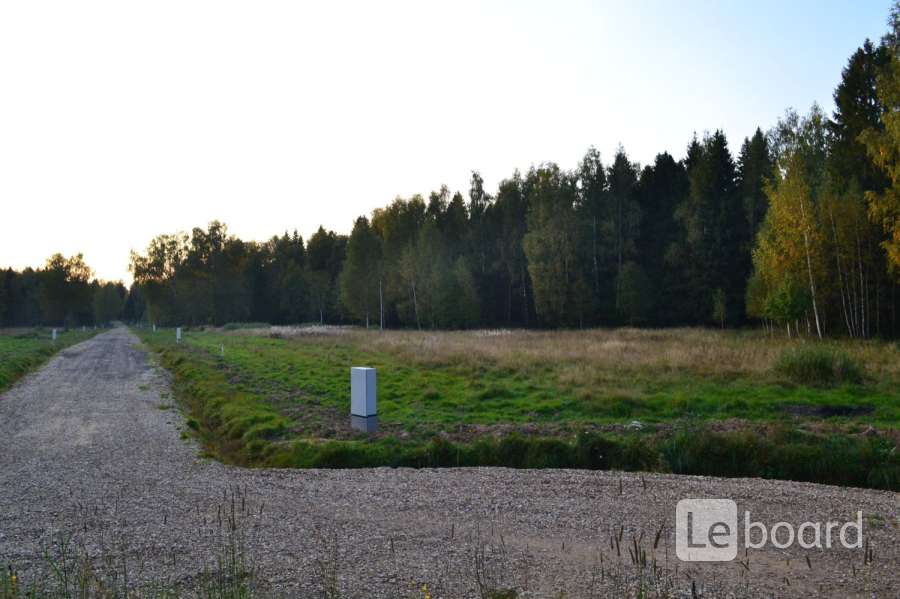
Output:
(178, 335)
(363, 412)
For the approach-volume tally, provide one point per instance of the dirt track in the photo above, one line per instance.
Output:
(85, 448)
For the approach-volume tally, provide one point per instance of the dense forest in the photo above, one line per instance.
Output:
(799, 231)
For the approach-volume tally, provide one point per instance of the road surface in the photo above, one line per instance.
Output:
(91, 447)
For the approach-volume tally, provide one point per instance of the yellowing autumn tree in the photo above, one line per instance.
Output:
(791, 245)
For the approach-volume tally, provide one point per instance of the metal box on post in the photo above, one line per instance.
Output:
(363, 409)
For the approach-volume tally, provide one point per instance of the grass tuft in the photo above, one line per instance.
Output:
(816, 365)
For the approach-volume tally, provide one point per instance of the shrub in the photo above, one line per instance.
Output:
(635, 452)
(818, 366)
(512, 451)
(834, 460)
(440, 452)
(592, 451)
(715, 454)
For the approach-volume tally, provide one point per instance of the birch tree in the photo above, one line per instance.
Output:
(791, 245)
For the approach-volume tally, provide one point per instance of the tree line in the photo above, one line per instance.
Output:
(800, 231)
(62, 293)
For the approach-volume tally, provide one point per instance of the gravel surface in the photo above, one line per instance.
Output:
(90, 446)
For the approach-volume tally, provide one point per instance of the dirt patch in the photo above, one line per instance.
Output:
(828, 411)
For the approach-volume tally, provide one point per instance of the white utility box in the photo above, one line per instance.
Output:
(363, 409)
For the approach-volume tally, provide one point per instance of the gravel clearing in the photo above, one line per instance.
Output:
(90, 446)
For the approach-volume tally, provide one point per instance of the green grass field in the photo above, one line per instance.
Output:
(22, 350)
(282, 397)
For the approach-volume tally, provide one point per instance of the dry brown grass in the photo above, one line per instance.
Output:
(588, 353)
(291, 331)
(581, 355)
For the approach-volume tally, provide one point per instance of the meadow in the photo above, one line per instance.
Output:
(22, 350)
(698, 401)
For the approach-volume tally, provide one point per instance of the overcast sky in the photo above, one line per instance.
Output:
(122, 120)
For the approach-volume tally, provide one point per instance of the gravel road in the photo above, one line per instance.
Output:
(90, 446)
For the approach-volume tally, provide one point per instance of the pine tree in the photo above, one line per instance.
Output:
(857, 109)
(712, 221)
(754, 170)
(661, 187)
(622, 220)
(592, 208)
(883, 145)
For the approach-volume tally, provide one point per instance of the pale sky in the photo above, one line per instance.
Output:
(121, 120)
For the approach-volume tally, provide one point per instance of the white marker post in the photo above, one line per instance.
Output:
(154, 327)
(363, 414)
(178, 335)
(53, 335)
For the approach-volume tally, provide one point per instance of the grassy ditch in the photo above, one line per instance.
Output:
(278, 402)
